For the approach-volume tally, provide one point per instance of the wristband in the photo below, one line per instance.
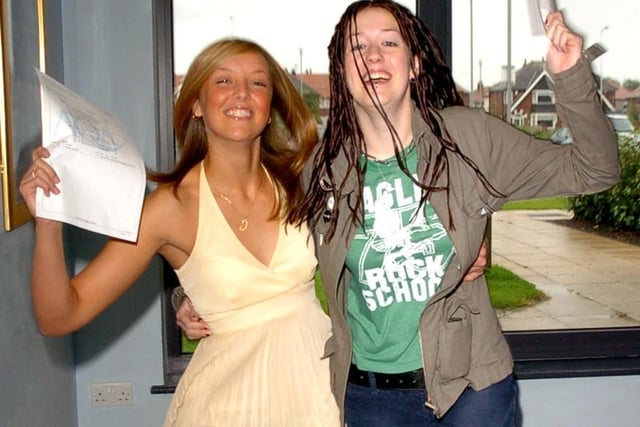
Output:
(177, 296)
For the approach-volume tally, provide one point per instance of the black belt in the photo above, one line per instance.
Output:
(411, 379)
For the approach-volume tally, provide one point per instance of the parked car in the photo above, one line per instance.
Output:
(621, 125)
(561, 136)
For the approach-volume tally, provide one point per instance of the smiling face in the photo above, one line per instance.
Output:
(378, 56)
(235, 102)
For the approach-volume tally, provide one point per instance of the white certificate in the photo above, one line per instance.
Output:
(538, 12)
(102, 174)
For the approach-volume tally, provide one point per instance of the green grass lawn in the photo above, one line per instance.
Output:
(508, 290)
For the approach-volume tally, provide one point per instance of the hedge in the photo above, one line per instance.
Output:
(618, 207)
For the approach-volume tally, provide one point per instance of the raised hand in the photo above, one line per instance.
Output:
(565, 47)
(38, 174)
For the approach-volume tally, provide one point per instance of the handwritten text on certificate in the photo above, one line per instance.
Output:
(102, 175)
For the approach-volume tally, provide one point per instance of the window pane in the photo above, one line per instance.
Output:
(538, 353)
(590, 282)
(296, 33)
(298, 44)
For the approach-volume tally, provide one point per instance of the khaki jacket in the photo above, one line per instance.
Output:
(462, 342)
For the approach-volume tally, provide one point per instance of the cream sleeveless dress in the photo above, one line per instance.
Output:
(262, 365)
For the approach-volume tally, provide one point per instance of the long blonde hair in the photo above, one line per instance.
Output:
(286, 141)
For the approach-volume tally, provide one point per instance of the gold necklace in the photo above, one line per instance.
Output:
(244, 218)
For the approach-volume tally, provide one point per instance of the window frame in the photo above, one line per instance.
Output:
(324, 103)
(544, 93)
(547, 120)
(564, 353)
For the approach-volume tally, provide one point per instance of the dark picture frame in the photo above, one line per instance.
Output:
(22, 52)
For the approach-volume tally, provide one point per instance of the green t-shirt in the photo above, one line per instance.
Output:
(397, 260)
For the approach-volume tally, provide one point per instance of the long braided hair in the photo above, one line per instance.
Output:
(433, 89)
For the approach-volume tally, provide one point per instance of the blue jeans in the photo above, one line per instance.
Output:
(495, 406)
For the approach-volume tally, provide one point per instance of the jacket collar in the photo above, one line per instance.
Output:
(421, 133)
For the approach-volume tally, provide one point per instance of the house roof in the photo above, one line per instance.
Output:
(535, 79)
(524, 78)
(528, 74)
(317, 82)
(624, 93)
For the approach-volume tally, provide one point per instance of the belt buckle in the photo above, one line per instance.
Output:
(404, 380)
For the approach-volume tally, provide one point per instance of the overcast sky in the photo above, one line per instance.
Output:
(304, 40)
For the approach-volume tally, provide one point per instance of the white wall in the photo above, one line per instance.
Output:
(580, 402)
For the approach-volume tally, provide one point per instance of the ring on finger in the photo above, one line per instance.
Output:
(33, 173)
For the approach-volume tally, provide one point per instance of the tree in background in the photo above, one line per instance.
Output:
(632, 113)
(313, 101)
(631, 84)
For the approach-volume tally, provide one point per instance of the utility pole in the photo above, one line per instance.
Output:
(509, 100)
(471, 54)
(480, 84)
(301, 72)
(605, 28)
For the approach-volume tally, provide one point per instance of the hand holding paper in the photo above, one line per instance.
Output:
(565, 46)
(538, 12)
(102, 175)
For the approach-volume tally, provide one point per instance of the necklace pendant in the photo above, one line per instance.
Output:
(244, 224)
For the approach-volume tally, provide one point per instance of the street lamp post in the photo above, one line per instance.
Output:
(471, 53)
(301, 72)
(509, 100)
(605, 28)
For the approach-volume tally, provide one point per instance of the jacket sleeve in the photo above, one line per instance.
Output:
(523, 167)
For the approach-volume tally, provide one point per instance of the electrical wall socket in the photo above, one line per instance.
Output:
(111, 394)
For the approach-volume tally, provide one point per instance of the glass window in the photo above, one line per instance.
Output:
(492, 36)
(591, 304)
(300, 45)
(544, 120)
(476, 41)
(544, 96)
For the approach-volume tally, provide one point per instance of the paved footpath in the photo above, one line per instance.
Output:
(591, 281)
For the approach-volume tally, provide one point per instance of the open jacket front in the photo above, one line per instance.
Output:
(462, 343)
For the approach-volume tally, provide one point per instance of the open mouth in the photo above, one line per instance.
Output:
(238, 113)
(376, 77)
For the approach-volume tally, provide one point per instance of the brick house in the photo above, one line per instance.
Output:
(319, 85)
(626, 100)
(533, 97)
